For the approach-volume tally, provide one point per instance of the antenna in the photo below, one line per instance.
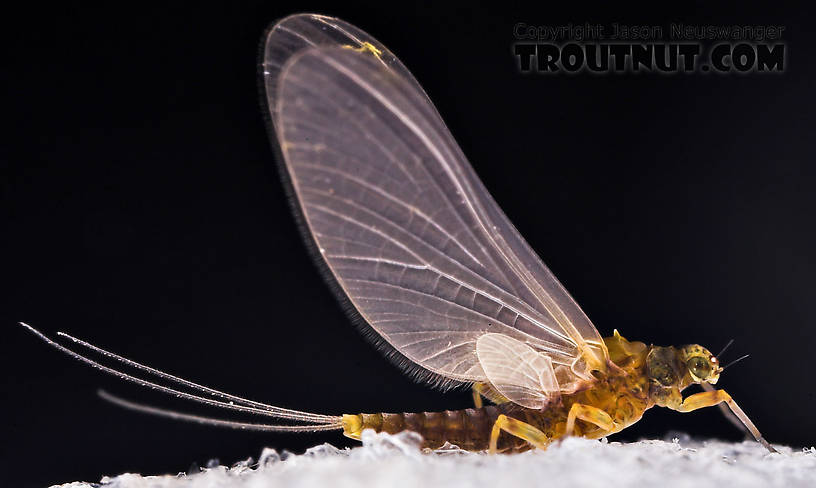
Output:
(735, 361)
(719, 355)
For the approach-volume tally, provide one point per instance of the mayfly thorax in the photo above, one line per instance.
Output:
(408, 235)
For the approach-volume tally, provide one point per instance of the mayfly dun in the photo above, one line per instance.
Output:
(410, 238)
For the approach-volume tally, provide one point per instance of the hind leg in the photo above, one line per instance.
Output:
(485, 390)
(477, 395)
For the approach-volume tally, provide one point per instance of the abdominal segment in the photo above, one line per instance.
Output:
(469, 429)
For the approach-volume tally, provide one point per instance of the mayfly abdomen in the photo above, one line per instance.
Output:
(469, 429)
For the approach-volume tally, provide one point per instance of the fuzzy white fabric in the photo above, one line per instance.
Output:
(396, 461)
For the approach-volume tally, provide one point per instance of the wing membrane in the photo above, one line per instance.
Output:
(297, 32)
(520, 373)
(400, 218)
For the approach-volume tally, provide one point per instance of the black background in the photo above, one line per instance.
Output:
(141, 210)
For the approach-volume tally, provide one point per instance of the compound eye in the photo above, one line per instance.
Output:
(699, 367)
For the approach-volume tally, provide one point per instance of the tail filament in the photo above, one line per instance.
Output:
(318, 422)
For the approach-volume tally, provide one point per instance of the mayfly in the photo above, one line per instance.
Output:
(410, 238)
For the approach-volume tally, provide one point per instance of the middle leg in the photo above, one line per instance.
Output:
(588, 413)
(519, 429)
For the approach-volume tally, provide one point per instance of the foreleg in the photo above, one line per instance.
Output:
(728, 414)
(716, 397)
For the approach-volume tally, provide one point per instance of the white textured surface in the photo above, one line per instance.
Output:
(395, 461)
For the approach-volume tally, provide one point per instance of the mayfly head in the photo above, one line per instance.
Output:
(703, 367)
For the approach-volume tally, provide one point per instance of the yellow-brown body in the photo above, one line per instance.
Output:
(635, 378)
(624, 392)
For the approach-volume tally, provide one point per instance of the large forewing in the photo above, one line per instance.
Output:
(302, 31)
(294, 33)
(405, 226)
